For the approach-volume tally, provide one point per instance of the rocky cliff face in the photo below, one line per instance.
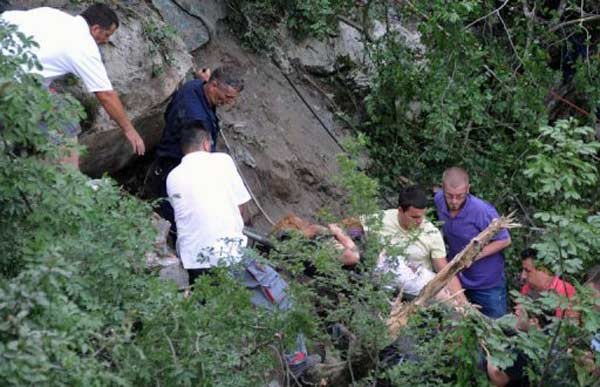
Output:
(280, 145)
(286, 156)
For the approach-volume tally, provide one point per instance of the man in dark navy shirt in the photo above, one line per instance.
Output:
(196, 100)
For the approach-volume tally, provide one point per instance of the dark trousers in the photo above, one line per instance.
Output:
(492, 301)
(156, 188)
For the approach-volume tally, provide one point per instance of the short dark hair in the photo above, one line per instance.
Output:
(412, 196)
(193, 134)
(100, 14)
(529, 253)
(230, 76)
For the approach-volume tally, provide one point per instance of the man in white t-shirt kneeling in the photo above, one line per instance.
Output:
(207, 194)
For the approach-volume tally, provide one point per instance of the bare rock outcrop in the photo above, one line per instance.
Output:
(194, 20)
(346, 50)
(145, 79)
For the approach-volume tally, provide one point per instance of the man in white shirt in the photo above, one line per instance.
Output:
(206, 192)
(69, 45)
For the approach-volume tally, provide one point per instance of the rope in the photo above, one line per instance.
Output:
(329, 132)
(258, 205)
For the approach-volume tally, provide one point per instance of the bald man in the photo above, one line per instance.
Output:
(464, 217)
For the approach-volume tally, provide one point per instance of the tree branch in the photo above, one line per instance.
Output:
(400, 312)
(569, 22)
(497, 10)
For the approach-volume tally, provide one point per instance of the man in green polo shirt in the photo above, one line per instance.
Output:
(415, 249)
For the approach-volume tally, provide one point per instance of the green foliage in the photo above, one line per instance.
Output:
(439, 342)
(259, 20)
(361, 190)
(214, 337)
(160, 39)
(459, 99)
(562, 177)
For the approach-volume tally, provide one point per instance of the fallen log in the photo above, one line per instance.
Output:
(400, 312)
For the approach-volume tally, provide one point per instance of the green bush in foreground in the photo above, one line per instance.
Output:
(76, 305)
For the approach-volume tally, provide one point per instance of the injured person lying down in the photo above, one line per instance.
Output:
(344, 241)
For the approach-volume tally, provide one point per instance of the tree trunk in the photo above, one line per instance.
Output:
(400, 312)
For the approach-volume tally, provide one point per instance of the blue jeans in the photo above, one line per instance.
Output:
(492, 300)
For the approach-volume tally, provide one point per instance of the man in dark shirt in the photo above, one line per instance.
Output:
(196, 100)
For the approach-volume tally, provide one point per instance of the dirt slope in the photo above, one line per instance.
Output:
(285, 155)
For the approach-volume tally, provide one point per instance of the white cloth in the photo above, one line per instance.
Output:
(409, 280)
(65, 46)
(419, 245)
(409, 254)
(205, 191)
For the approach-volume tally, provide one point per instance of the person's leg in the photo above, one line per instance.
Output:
(156, 188)
(66, 137)
(67, 140)
(492, 301)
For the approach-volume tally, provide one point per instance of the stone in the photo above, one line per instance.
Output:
(161, 255)
(409, 34)
(143, 93)
(243, 155)
(175, 273)
(163, 258)
(349, 44)
(154, 260)
(192, 30)
(29, 4)
(282, 61)
(414, 110)
(209, 11)
(162, 227)
(315, 56)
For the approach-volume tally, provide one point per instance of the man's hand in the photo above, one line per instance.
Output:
(136, 141)
(203, 74)
(110, 101)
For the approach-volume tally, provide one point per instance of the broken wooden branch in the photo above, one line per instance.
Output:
(400, 312)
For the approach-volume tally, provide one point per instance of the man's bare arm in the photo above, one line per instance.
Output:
(112, 104)
(494, 247)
